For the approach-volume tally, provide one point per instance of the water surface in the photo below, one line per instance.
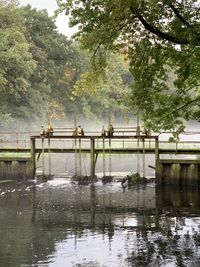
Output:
(60, 224)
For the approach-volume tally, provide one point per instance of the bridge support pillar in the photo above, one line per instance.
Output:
(178, 172)
(193, 174)
(92, 157)
(33, 155)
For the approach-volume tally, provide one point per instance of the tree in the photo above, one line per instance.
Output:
(52, 80)
(161, 39)
(16, 62)
(100, 94)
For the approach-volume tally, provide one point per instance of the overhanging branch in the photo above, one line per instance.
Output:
(161, 34)
(179, 16)
(181, 107)
(109, 37)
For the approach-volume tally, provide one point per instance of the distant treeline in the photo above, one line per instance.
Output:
(40, 68)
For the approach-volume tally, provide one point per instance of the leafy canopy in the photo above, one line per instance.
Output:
(16, 62)
(162, 41)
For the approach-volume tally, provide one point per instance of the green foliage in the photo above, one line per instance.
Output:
(16, 62)
(104, 90)
(51, 51)
(161, 39)
(44, 75)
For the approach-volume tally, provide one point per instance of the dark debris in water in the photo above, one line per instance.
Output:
(84, 179)
(44, 177)
(136, 178)
(107, 179)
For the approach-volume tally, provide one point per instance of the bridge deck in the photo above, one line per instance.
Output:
(118, 144)
(100, 150)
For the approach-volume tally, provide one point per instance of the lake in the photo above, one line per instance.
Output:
(63, 224)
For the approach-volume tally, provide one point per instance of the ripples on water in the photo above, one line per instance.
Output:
(60, 224)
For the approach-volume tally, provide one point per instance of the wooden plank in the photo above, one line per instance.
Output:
(179, 161)
(107, 150)
(14, 159)
(96, 137)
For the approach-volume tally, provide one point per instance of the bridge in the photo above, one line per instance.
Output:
(29, 146)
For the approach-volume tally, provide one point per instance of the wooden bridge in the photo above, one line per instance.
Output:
(27, 146)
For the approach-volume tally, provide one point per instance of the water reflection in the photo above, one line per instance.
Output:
(62, 224)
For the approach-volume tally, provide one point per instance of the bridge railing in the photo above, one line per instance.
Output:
(15, 139)
(21, 140)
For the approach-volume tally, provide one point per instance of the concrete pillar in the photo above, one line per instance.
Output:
(159, 173)
(175, 172)
(1, 169)
(192, 173)
(7, 169)
(184, 175)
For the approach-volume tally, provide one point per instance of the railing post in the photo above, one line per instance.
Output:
(32, 140)
(92, 157)
(49, 154)
(156, 151)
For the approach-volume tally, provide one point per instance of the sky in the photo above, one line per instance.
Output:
(51, 6)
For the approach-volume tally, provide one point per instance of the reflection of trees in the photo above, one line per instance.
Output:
(154, 236)
(20, 243)
(159, 236)
(156, 247)
(164, 236)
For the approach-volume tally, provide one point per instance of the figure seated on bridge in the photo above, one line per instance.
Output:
(49, 131)
(103, 131)
(145, 131)
(80, 131)
(110, 130)
(138, 131)
(74, 131)
(42, 131)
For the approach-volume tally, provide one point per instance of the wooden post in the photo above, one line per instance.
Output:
(49, 152)
(43, 157)
(138, 140)
(104, 162)
(75, 157)
(33, 155)
(156, 150)
(138, 155)
(75, 144)
(92, 158)
(157, 156)
(80, 158)
(110, 161)
(143, 156)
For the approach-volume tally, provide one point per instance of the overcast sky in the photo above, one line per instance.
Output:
(50, 6)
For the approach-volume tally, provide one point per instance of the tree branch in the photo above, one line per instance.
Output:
(191, 87)
(181, 107)
(110, 36)
(161, 34)
(179, 16)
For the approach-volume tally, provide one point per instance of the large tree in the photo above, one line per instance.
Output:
(161, 39)
(16, 62)
(52, 80)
